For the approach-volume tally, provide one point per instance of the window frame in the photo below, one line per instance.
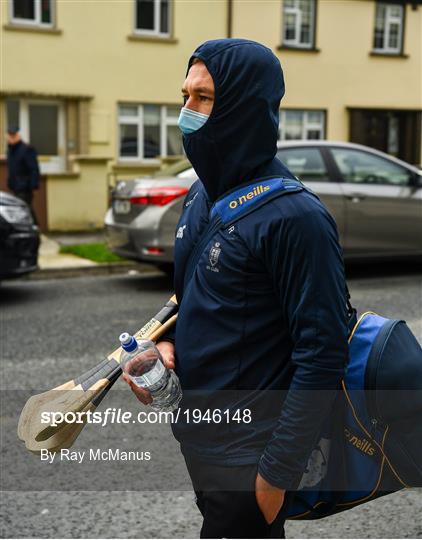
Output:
(165, 121)
(306, 126)
(36, 22)
(157, 13)
(388, 20)
(296, 44)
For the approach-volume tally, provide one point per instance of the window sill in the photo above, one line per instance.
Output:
(298, 49)
(388, 55)
(152, 39)
(36, 29)
(58, 175)
(172, 159)
(84, 157)
(138, 164)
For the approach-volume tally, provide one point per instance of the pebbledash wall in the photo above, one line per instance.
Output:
(90, 60)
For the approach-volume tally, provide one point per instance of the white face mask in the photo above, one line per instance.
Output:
(190, 121)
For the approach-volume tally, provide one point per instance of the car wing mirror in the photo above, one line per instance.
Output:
(418, 179)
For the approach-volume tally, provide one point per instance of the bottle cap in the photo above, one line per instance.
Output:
(128, 342)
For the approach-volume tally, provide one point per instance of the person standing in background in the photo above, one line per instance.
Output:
(22, 167)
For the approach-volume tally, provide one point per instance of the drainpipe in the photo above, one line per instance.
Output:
(229, 17)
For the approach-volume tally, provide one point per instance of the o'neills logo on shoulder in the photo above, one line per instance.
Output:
(361, 444)
(257, 190)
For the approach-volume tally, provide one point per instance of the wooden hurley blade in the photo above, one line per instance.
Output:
(70, 401)
(34, 403)
(65, 437)
(38, 400)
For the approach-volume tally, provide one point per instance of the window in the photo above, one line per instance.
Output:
(301, 125)
(299, 23)
(43, 128)
(42, 124)
(152, 17)
(32, 12)
(305, 163)
(388, 28)
(363, 168)
(149, 131)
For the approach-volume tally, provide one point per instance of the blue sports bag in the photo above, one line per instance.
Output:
(372, 445)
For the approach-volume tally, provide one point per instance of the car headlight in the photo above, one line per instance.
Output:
(16, 214)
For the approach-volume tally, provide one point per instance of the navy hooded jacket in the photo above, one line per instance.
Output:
(22, 165)
(262, 324)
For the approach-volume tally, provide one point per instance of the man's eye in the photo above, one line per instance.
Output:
(185, 98)
(204, 98)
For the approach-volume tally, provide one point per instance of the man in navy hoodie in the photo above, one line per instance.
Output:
(261, 335)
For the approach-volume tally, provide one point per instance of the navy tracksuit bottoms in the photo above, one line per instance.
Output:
(226, 499)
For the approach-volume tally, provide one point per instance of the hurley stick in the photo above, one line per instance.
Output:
(89, 378)
(73, 398)
(38, 400)
(77, 399)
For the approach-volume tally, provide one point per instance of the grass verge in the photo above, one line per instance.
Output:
(98, 253)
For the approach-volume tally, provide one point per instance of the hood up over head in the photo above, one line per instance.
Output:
(238, 142)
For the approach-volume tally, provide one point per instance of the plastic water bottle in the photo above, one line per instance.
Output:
(142, 361)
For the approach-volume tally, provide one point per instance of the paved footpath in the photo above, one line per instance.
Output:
(53, 264)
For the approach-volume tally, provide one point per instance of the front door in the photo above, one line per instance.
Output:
(395, 132)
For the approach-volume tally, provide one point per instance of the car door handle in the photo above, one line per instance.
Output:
(356, 197)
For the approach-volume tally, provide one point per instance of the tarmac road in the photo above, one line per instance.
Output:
(51, 330)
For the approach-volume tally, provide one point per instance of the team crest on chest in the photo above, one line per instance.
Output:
(180, 231)
(213, 256)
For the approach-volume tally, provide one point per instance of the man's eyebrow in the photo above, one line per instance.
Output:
(199, 90)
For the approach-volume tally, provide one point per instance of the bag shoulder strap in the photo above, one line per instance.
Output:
(246, 199)
(235, 205)
(352, 314)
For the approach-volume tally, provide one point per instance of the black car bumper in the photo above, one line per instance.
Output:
(18, 251)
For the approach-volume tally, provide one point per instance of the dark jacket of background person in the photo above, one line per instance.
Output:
(22, 165)
(264, 326)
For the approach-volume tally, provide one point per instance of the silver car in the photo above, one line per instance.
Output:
(375, 199)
